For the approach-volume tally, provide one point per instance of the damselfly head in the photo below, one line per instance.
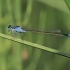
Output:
(9, 27)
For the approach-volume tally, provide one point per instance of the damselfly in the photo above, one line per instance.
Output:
(19, 29)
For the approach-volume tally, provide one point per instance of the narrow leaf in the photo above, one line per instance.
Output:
(35, 45)
(67, 3)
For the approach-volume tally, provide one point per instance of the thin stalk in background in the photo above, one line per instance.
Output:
(9, 8)
(2, 49)
(17, 11)
(28, 12)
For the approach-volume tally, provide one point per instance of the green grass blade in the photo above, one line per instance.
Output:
(35, 45)
(28, 12)
(67, 3)
(9, 8)
(57, 4)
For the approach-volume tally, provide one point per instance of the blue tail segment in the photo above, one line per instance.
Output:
(67, 35)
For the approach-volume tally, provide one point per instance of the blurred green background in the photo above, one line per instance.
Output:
(34, 14)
